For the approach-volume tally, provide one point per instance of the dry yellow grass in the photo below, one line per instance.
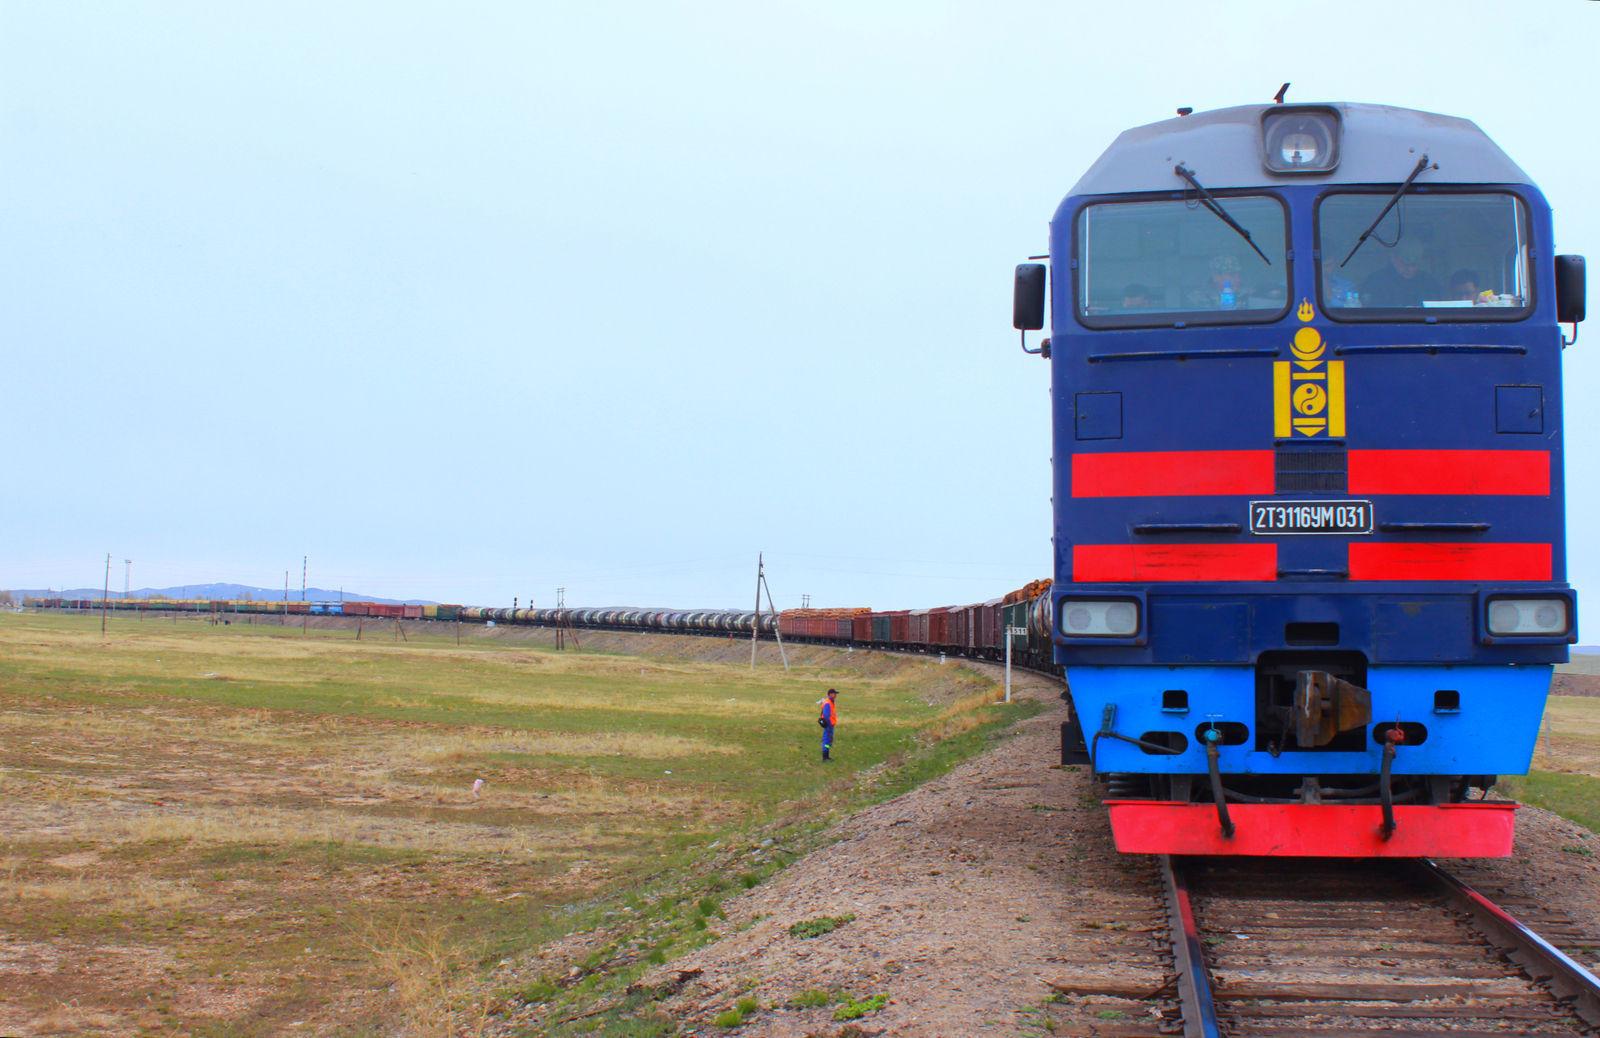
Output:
(429, 979)
(1570, 736)
(223, 804)
(964, 715)
(456, 746)
(103, 892)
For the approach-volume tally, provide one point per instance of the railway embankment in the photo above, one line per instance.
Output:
(963, 903)
(991, 900)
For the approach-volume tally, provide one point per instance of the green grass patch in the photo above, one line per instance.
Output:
(1575, 797)
(540, 990)
(855, 1009)
(742, 1010)
(808, 928)
(812, 998)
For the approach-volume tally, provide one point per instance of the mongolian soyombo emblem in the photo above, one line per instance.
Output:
(1307, 392)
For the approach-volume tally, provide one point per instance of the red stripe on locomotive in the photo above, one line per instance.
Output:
(1172, 473)
(1379, 561)
(1449, 472)
(1128, 563)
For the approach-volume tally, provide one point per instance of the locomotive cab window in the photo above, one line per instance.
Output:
(1144, 264)
(1447, 256)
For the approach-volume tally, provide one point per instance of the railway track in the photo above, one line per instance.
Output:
(1366, 949)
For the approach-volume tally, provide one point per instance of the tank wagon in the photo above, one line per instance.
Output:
(1307, 422)
(973, 630)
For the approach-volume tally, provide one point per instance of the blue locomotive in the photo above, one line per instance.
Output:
(1309, 547)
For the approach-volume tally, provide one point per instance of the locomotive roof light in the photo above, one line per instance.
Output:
(1300, 139)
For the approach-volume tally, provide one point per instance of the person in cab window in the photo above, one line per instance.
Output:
(1464, 288)
(1228, 287)
(1137, 297)
(1403, 280)
(1225, 290)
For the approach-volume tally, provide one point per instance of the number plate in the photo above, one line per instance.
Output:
(1278, 517)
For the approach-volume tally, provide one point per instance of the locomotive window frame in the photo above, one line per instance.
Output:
(1420, 314)
(1179, 318)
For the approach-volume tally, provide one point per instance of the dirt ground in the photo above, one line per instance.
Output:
(970, 896)
(984, 902)
(1575, 685)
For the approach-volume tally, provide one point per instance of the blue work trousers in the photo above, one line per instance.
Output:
(827, 739)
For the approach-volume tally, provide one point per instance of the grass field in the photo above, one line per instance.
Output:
(1566, 765)
(246, 830)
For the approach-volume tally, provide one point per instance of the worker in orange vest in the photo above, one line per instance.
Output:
(829, 718)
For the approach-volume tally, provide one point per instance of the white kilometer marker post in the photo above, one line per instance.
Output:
(1011, 632)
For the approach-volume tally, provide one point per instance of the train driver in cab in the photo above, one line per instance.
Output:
(1403, 280)
(1229, 288)
(1137, 297)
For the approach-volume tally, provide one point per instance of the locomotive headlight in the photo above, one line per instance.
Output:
(1092, 618)
(1298, 149)
(1300, 139)
(1513, 616)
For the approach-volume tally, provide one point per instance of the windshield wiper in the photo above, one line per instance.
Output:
(1216, 207)
(1422, 164)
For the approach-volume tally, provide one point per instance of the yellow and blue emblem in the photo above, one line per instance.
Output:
(1307, 392)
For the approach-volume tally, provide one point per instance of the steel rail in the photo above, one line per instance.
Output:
(1546, 963)
(1188, 952)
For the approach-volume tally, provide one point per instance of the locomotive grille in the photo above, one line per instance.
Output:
(1311, 470)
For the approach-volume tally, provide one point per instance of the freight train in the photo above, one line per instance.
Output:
(1309, 582)
(1309, 530)
(979, 630)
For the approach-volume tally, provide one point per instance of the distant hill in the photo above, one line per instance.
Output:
(220, 591)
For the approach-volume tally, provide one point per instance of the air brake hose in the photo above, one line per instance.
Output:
(1392, 737)
(1212, 736)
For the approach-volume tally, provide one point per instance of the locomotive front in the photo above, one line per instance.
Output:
(1309, 548)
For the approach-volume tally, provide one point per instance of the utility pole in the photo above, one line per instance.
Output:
(283, 620)
(564, 628)
(105, 594)
(303, 559)
(127, 575)
(755, 622)
(805, 601)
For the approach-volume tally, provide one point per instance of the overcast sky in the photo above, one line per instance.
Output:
(467, 301)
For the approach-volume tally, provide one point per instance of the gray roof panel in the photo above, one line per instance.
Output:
(1379, 145)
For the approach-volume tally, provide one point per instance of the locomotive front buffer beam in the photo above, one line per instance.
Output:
(1325, 707)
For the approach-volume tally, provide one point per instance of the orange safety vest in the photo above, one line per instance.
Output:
(830, 712)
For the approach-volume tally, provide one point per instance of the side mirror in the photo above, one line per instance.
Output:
(1570, 288)
(1027, 298)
